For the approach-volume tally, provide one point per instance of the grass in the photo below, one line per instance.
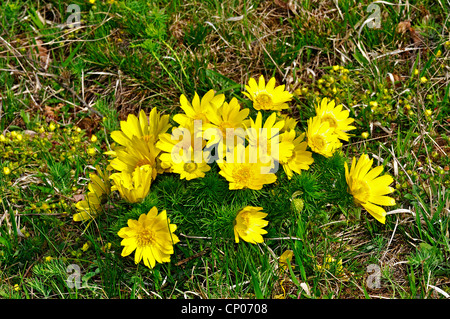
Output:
(132, 55)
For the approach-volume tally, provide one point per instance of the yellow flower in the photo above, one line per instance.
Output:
(133, 187)
(300, 158)
(249, 224)
(367, 188)
(289, 123)
(93, 138)
(200, 109)
(228, 120)
(137, 139)
(6, 170)
(267, 97)
(91, 151)
(322, 138)
(416, 71)
(48, 258)
(138, 153)
(285, 257)
(190, 167)
(152, 236)
(266, 138)
(365, 135)
(99, 189)
(173, 149)
(52, 127)
(423, 79)
(2, 138)
(336, 117)
(85, 246)
(245, 170)
(145, 129)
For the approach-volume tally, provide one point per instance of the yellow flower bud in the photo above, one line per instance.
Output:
(365, 135)
(423, 79)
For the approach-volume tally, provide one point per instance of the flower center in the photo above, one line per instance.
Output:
(318, 141)
(202, 117)
(264, 100)
(190, 167)
(361, 191)
(331, 120)
(242, 175)
(145, 238)
(245, 219)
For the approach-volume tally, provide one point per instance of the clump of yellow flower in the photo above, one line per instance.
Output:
(151, 237)
(368, 188)
(328, 127)
(249, 224)
(137, 139)
(337, 118)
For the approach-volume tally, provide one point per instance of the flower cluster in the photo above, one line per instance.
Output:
(248, 151)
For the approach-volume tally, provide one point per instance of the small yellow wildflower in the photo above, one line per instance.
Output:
(94, 138)
(6, 170)
(91, 151)
(2, 138)
(428, 112)
(335, 67)
(52, 127)
(16, 287)
(416, 71)
(423, 79)
(85, 246)
(365, 135)
(48, 258)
